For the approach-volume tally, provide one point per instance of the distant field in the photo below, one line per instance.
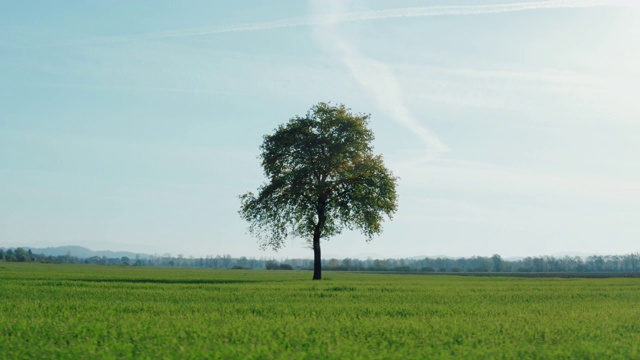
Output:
(89, 311)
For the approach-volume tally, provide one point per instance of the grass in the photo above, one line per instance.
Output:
(78, 311)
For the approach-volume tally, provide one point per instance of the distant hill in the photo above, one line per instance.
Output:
(84, 253)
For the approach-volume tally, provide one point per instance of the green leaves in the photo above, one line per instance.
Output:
(322, 176)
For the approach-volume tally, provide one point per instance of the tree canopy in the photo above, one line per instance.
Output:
(322, 177)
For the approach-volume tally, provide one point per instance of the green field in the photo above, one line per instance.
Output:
(89, 311)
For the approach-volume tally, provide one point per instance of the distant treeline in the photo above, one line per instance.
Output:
(476, 264)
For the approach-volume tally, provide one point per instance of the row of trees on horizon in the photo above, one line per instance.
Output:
(476, 264)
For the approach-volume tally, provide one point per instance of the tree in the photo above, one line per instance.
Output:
(497, 263)
(322, 177)
(21, 255)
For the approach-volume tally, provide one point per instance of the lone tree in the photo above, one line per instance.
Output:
(322, 178)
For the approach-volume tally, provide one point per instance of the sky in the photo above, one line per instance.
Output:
(514, 126)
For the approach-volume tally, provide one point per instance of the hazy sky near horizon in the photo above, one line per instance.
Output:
(135, 125)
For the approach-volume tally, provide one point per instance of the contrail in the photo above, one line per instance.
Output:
(377, 78)
(476, 9)
(427, 11)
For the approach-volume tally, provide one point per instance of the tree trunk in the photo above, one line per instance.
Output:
(317, 258)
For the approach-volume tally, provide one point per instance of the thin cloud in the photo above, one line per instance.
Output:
(454, 174)
(346, 17)
(458, 10)
(377, 78)
(168, 89)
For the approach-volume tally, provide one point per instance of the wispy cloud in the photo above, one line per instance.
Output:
(145, 89)
(454, 175)
(493, 87)
(378, 78)
(359, 16)
(375, 77)
(457, 10)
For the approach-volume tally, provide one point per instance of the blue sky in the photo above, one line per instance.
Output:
(134, 125)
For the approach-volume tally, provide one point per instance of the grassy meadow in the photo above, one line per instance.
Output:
(90, 311)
